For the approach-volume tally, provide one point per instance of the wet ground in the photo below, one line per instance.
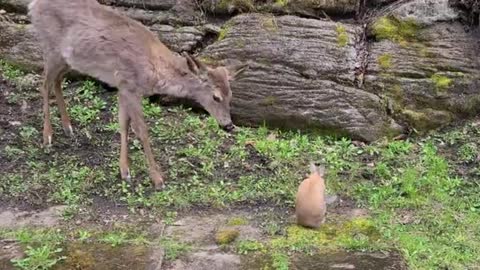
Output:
(199, 232)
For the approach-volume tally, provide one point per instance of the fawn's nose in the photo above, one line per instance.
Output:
(229, 127)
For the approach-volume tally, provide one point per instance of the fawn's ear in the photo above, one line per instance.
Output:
(195, 65)
(234, 71)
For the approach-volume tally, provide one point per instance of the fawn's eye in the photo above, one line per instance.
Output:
(216, 98)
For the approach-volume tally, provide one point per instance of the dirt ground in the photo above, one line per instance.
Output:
(66, 206)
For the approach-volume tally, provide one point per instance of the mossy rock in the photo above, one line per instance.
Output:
(441, 82)
(396, 30)
(342, 36)
(226, 236)
(427, 119)
(385, 61)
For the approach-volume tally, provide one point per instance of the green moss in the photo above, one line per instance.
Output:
(237, 221)
(269, 101)
(281, 3)
(342, 36)
(223, 31)
(397, 92)
(385, 61)
(270, 24)
(388, 27)
(396, 95)
(208, 60)
(226, 236)
(331, 236)
(247, 246)
(427, 119)
(241, 5)
(441, 82)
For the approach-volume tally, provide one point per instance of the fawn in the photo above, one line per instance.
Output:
(95, 40)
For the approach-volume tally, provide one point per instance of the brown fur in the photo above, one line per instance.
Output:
(95, 40)
(310, 205)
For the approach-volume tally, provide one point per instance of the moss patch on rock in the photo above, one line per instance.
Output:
(353, 234)
(385, 61)
(224, 31)
(441, 82)
(240, 5)
(208, 60)
(342, 36)
(237, 221)
(281, 3)
(427, 119)
(396, 30)
(270, 24)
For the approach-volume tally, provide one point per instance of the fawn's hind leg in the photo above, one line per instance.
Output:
(62, 107)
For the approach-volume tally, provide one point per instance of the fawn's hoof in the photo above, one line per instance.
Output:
(125, 174)
(47, 140)
(159, 186)
(157, 180)
(68, 131)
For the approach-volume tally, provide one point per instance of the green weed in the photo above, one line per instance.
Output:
(41, 258)
(247, 246)
(174, 249)
(115, 238)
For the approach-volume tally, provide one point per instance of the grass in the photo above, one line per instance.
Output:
(431, 180)
(173, 248)
(245, 247)
(10, 72)
(43, 257)
(42, 248)
(45, 248)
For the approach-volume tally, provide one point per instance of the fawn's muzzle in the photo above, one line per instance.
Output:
(229, 127)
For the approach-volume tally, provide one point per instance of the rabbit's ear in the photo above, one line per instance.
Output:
(321, 170)
(314, 169)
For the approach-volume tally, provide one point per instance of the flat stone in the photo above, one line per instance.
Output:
(14, 219)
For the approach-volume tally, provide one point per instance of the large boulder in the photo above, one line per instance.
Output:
(301, 75)
(311, 8)
(18, 45)
(425, 64)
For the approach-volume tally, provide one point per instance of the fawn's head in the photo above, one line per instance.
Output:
(211, 88)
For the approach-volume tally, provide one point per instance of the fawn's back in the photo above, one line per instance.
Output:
(96, 41)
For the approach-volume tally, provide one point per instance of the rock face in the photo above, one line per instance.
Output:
(302, 75)
(413, 64)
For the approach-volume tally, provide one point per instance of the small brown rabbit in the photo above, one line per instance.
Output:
(310, 205)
